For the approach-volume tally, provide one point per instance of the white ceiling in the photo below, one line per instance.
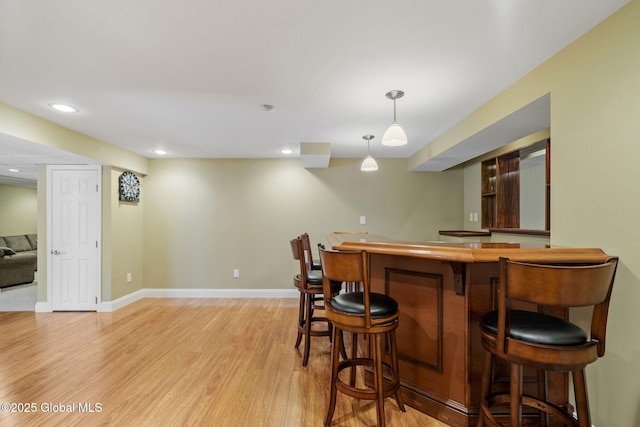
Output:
(190, 76)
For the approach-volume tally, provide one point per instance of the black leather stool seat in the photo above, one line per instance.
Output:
(314, 277)
(536, 328)
(353, 303)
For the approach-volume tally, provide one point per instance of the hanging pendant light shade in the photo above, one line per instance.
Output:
(369, 163)
(394, 136)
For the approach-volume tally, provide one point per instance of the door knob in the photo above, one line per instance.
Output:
(56, 252)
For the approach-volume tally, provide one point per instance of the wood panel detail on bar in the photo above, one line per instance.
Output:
(442, 290)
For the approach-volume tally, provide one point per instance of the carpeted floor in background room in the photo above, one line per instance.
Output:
(19, 298)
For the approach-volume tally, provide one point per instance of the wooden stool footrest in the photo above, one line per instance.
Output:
(390, 388)
(316, 332)
(530, 401)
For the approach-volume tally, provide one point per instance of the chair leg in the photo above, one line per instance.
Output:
(485, 385)
(330, 330)
(582, 398)
(354, 355)
(393, 343)
(307, 330)
(378, 379)
(516, 395)
(335, 360)
(343, 349)
(542, 395)
(300, 319)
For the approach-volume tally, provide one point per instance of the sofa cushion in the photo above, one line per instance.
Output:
(33, 240)
(6, 251)
(2, 242)
(18, 243)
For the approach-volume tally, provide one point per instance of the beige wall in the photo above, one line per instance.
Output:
(18, 210)
(595, 133)
(123, 246)
(204, 218)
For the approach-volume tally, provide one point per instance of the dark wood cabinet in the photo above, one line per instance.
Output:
(508, 191)
(501, 189)
(489, 193)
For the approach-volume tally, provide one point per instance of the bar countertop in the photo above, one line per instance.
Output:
(463, 252)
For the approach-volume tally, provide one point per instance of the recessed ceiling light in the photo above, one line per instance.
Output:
(267, 107)
(64, 108)
(14, 170)
(286, 151)
(160, 152)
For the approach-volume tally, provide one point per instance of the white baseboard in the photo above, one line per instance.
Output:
(108, 306)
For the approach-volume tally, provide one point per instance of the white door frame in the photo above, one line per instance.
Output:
(98, 281)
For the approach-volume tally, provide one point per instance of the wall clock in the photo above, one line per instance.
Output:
(129, 187)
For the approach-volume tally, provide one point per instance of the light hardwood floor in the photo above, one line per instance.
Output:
(173, 362)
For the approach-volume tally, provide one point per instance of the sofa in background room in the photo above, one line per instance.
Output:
(18, 259)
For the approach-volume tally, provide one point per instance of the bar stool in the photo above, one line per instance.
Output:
(309, 283)
(362, 312)
(542, 341)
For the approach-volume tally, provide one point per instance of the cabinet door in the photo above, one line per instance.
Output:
(508, 191)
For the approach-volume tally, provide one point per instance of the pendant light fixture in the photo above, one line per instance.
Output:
(394, 136)
(369, 163)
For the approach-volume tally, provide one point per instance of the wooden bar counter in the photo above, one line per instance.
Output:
(443, 289)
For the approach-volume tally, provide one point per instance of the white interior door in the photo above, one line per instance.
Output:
(74, 237)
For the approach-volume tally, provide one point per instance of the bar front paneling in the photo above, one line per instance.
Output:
(442, 290)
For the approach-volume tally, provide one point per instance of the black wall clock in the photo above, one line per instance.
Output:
(129, 187)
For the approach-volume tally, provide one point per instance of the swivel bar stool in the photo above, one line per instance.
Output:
(309, 283)
(542, 341)
(362, 312)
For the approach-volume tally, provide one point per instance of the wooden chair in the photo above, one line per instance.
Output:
(362, 312)
(542, 341)
(309, 283)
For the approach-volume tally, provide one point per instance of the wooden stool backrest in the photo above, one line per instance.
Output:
(558, 286)
(306, 245)
(297, 250)
(346, 266)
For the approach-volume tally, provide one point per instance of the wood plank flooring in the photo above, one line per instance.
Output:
(172, 362)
